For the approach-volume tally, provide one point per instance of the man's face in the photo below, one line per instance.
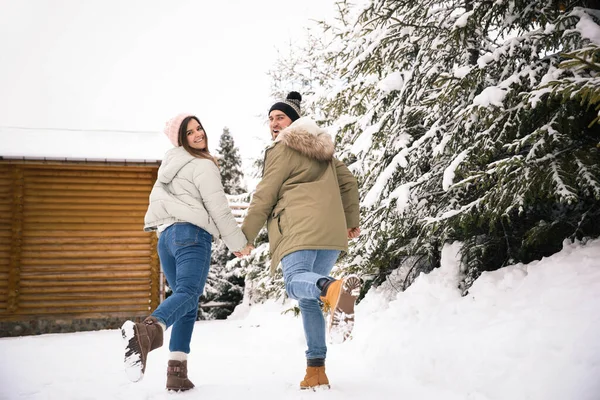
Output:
(278, 121)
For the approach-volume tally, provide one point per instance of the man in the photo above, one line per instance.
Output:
(309, 201)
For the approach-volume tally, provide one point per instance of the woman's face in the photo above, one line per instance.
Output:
(195, 135)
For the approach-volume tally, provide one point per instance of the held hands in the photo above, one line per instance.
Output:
(244, 252)
(353, 233)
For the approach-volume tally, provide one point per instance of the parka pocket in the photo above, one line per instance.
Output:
(274, 229)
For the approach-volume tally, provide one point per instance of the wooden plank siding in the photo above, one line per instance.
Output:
(6, 201)
(71, 241)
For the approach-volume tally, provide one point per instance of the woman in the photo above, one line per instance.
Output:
(187, 207)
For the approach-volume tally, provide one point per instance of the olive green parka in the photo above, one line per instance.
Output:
(308, 198)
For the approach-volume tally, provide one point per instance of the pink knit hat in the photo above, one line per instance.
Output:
(172, 128)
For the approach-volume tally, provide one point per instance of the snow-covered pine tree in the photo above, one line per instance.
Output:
(526, 173)
(303, 67)
(472, 121)
(224, 286)
(230, 164)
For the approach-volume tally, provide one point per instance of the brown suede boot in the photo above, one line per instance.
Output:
(177, 378)
(315, 378)
(340, 299)
(140, 339)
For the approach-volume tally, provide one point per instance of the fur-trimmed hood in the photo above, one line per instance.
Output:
(306, 137)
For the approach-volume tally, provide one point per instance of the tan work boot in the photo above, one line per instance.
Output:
(315, 378)
(177, 378)
(140, 339)
(340, 298)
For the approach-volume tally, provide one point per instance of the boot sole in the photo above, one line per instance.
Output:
(174, 389)
(341, 319)
(316, 388)
(133, 362)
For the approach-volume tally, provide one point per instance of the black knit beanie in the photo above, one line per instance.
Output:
(290, 106)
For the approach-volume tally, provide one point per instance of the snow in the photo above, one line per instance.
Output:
(484, 60)
(522, 332)
(88, 145)
(374, 193)
(549, 29)
(461, 72)
(393, 81)
(365, 140)
(441, 146)
(402, 194)
(588, 28)
(450, 170)
(461, 22)
(452, 213)
(491, 95)
(552, 74)
(565, 194)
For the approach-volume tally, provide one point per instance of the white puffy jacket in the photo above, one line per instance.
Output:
(188, 189)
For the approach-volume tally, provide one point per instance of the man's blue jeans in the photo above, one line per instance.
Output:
(184, 251)
(301, 271)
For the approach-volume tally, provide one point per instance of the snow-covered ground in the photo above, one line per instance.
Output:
(523, 332)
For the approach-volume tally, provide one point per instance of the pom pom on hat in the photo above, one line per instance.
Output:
(290, 106)
(294, 98)
(172, 128)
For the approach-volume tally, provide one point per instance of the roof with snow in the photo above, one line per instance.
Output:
(82, 145)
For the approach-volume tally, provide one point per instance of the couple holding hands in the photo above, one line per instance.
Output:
(309, 201)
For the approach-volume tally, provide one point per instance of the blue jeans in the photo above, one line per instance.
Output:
(184, 251)
(301, 271)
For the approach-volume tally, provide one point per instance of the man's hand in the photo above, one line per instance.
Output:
(353, 233)
(244, 252)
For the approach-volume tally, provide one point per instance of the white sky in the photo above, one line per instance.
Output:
(524, 332)
(131, 65)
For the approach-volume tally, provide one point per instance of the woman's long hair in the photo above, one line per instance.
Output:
(204, 153)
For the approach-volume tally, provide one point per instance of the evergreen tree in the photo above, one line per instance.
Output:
(224, 286)
(230, 164)
(467, 120)
(303, 67)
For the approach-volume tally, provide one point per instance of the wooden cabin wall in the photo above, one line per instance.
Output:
(72, 245)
